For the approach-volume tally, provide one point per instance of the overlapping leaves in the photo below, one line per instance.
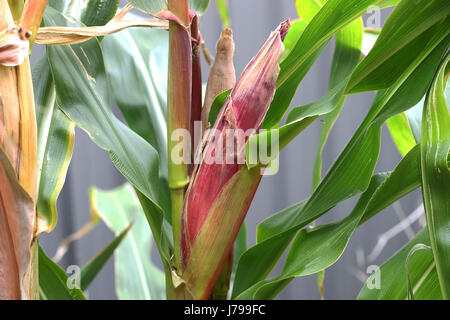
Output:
(351, 172)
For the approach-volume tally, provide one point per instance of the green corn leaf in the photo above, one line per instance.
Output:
(137, 74)
(82, 94)
(416, 248)
(222, 9)
(55, 130)
(216, 106)
(199, 6)
(155, 6)
(352, 171)
(295, 31)
(394, 275)
(278, 223)
(91, 13)
(332, 17)
(306, 10)
(55, 145)
(348, 46)
(414, 116)
(149, 6)
(315, 249)
(405, 33)
(401, 133)
(99, 13)
(346, 57)
(96, 264)
(389, 3)
(54, 282)
(434, 153)
(136, 276)
(240, 246)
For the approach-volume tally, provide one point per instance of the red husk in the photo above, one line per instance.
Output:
(245, 108)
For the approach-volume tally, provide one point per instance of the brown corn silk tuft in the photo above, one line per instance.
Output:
(219, 194)
(18, 144)
(222, 76)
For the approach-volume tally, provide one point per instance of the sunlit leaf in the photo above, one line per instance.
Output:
(401, 133)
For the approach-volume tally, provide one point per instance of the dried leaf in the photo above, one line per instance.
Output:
(69, 35)
(16, 232)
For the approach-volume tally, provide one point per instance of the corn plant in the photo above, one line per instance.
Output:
(194, 159)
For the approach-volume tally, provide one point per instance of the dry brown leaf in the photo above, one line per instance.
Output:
(222, 75)
(68, 35)
(16, 233)
(18, 171)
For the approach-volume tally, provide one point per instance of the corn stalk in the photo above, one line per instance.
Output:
(178, 109)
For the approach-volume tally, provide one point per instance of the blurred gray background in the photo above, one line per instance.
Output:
(252, 21)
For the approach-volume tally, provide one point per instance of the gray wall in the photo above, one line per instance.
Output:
(252, 21)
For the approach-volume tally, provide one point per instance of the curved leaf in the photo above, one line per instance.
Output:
(55, 144)
(422, 274)
(434, 152)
